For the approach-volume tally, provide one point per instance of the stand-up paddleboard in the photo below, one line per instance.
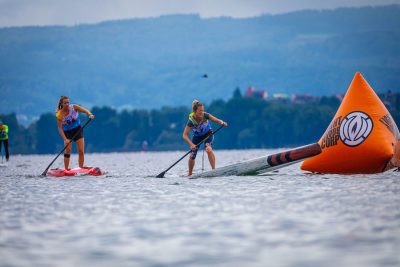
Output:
(264, 164)
(95, 171)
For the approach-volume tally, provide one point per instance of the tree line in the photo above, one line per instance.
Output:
(253, 123)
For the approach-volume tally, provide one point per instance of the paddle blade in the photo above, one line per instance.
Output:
(161, 175)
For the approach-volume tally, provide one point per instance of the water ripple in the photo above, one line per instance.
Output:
(129, 218)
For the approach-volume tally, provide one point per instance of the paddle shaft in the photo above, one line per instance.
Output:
(65, 147)
(161, 175)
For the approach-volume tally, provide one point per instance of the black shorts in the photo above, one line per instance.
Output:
(197, 139)
(69, 134)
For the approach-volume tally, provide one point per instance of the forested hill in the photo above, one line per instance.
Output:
(149, 63)
(253, 123)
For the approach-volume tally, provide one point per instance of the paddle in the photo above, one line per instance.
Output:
(161, 175)
(75, 135)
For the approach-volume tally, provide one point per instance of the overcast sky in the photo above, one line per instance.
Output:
(71, 12)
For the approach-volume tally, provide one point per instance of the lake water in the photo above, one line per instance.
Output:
(128, 218)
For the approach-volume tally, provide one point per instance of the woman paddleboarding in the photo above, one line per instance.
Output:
(201, 129)
(69, 125)
(4, 140)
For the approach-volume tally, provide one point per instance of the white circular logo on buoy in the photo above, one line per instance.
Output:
(355, 128)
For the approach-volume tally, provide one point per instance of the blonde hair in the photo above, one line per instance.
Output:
(60, 102)
(196, 104)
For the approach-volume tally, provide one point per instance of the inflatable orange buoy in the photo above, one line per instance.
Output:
(361, 138)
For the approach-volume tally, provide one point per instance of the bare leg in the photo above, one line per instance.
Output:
(81, 151)
(395, 161)
(211, 156)
(191, 166)
(66, 159)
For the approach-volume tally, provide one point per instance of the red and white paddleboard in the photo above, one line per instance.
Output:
(95, 171)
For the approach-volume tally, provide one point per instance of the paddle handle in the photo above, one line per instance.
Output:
(65, 147)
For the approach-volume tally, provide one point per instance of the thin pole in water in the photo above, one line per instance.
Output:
(202, 161)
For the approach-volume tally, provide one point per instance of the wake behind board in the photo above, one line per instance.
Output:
(95, 171)
(264, 164)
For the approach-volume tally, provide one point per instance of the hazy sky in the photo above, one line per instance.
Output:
(70, 12)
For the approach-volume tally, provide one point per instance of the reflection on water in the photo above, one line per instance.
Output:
(128, 218)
